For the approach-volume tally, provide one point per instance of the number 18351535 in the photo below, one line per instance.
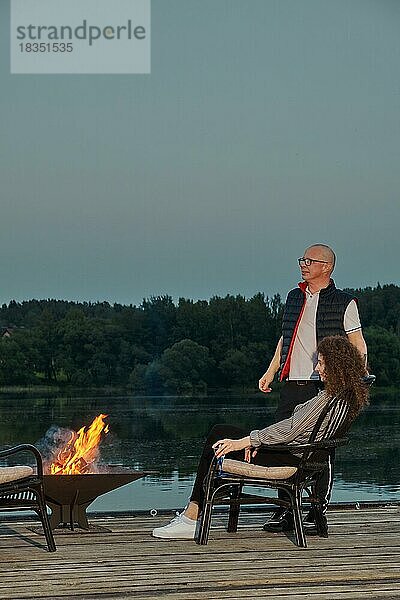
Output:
(46, 47)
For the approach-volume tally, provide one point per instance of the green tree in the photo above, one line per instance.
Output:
(160, 320)
(383, 355)
(237, 367)
(16, 366)
(185, 366)
(46, 339)
(77, 347)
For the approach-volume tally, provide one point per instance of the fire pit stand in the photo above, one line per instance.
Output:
(68, 496)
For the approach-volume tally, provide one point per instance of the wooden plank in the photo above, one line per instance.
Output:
(238, 588)
(267, 574)
(241, 548)
(170, 565)
(299, 594)
(223, 571)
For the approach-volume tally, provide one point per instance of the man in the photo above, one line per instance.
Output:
(313, 310)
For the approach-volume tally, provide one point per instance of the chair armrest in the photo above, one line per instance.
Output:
(26, 448)
(333, 443)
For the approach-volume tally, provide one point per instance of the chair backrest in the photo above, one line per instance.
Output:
(336, 426)
(331, 427)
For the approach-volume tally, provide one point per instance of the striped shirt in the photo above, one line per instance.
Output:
(297, 428)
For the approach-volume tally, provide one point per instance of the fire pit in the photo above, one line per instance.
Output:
(74, 478)
(68, 496)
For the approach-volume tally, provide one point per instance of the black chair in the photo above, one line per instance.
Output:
(22, 489)
(226, 486)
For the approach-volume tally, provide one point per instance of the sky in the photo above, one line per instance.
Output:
(264, 126)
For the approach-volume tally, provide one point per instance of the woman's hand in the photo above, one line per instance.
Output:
(226, 446)
(249, 453)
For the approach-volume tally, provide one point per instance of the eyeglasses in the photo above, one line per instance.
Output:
(308, 261)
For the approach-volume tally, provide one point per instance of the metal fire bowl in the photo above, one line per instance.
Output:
(68, 496)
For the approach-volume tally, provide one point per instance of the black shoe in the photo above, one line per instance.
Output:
(281, 520)
(310, 526)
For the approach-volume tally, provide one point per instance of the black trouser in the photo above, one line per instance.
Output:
(292, 394)
(264, 457)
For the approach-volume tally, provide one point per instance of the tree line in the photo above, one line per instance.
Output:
(163, 347)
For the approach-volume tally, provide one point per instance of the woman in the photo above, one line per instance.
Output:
(341, 368)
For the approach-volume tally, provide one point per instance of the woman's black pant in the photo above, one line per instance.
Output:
(264, 457)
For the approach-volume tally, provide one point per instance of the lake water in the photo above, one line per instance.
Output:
(166, 434)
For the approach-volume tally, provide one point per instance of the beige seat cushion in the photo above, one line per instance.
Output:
(13, 473)
(238, 467)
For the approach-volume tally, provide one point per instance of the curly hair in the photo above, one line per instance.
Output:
(344, 370)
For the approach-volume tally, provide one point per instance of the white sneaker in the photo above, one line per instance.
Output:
(180, 527)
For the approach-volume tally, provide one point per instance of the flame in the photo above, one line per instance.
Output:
(81, 450)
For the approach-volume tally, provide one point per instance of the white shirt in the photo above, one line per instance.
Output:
(304, 353)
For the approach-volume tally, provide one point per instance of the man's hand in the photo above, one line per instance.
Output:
(264, 383)
(268, 377)
(226, 446)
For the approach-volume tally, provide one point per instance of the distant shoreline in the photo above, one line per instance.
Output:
(66, 390)
(377, 392)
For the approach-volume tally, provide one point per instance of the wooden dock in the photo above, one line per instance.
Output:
(360, 559)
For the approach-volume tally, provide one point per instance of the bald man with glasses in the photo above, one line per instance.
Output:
(314, 310)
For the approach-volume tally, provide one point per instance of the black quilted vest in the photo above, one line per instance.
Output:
(332, 305)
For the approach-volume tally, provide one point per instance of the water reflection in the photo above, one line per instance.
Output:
(166, 434)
